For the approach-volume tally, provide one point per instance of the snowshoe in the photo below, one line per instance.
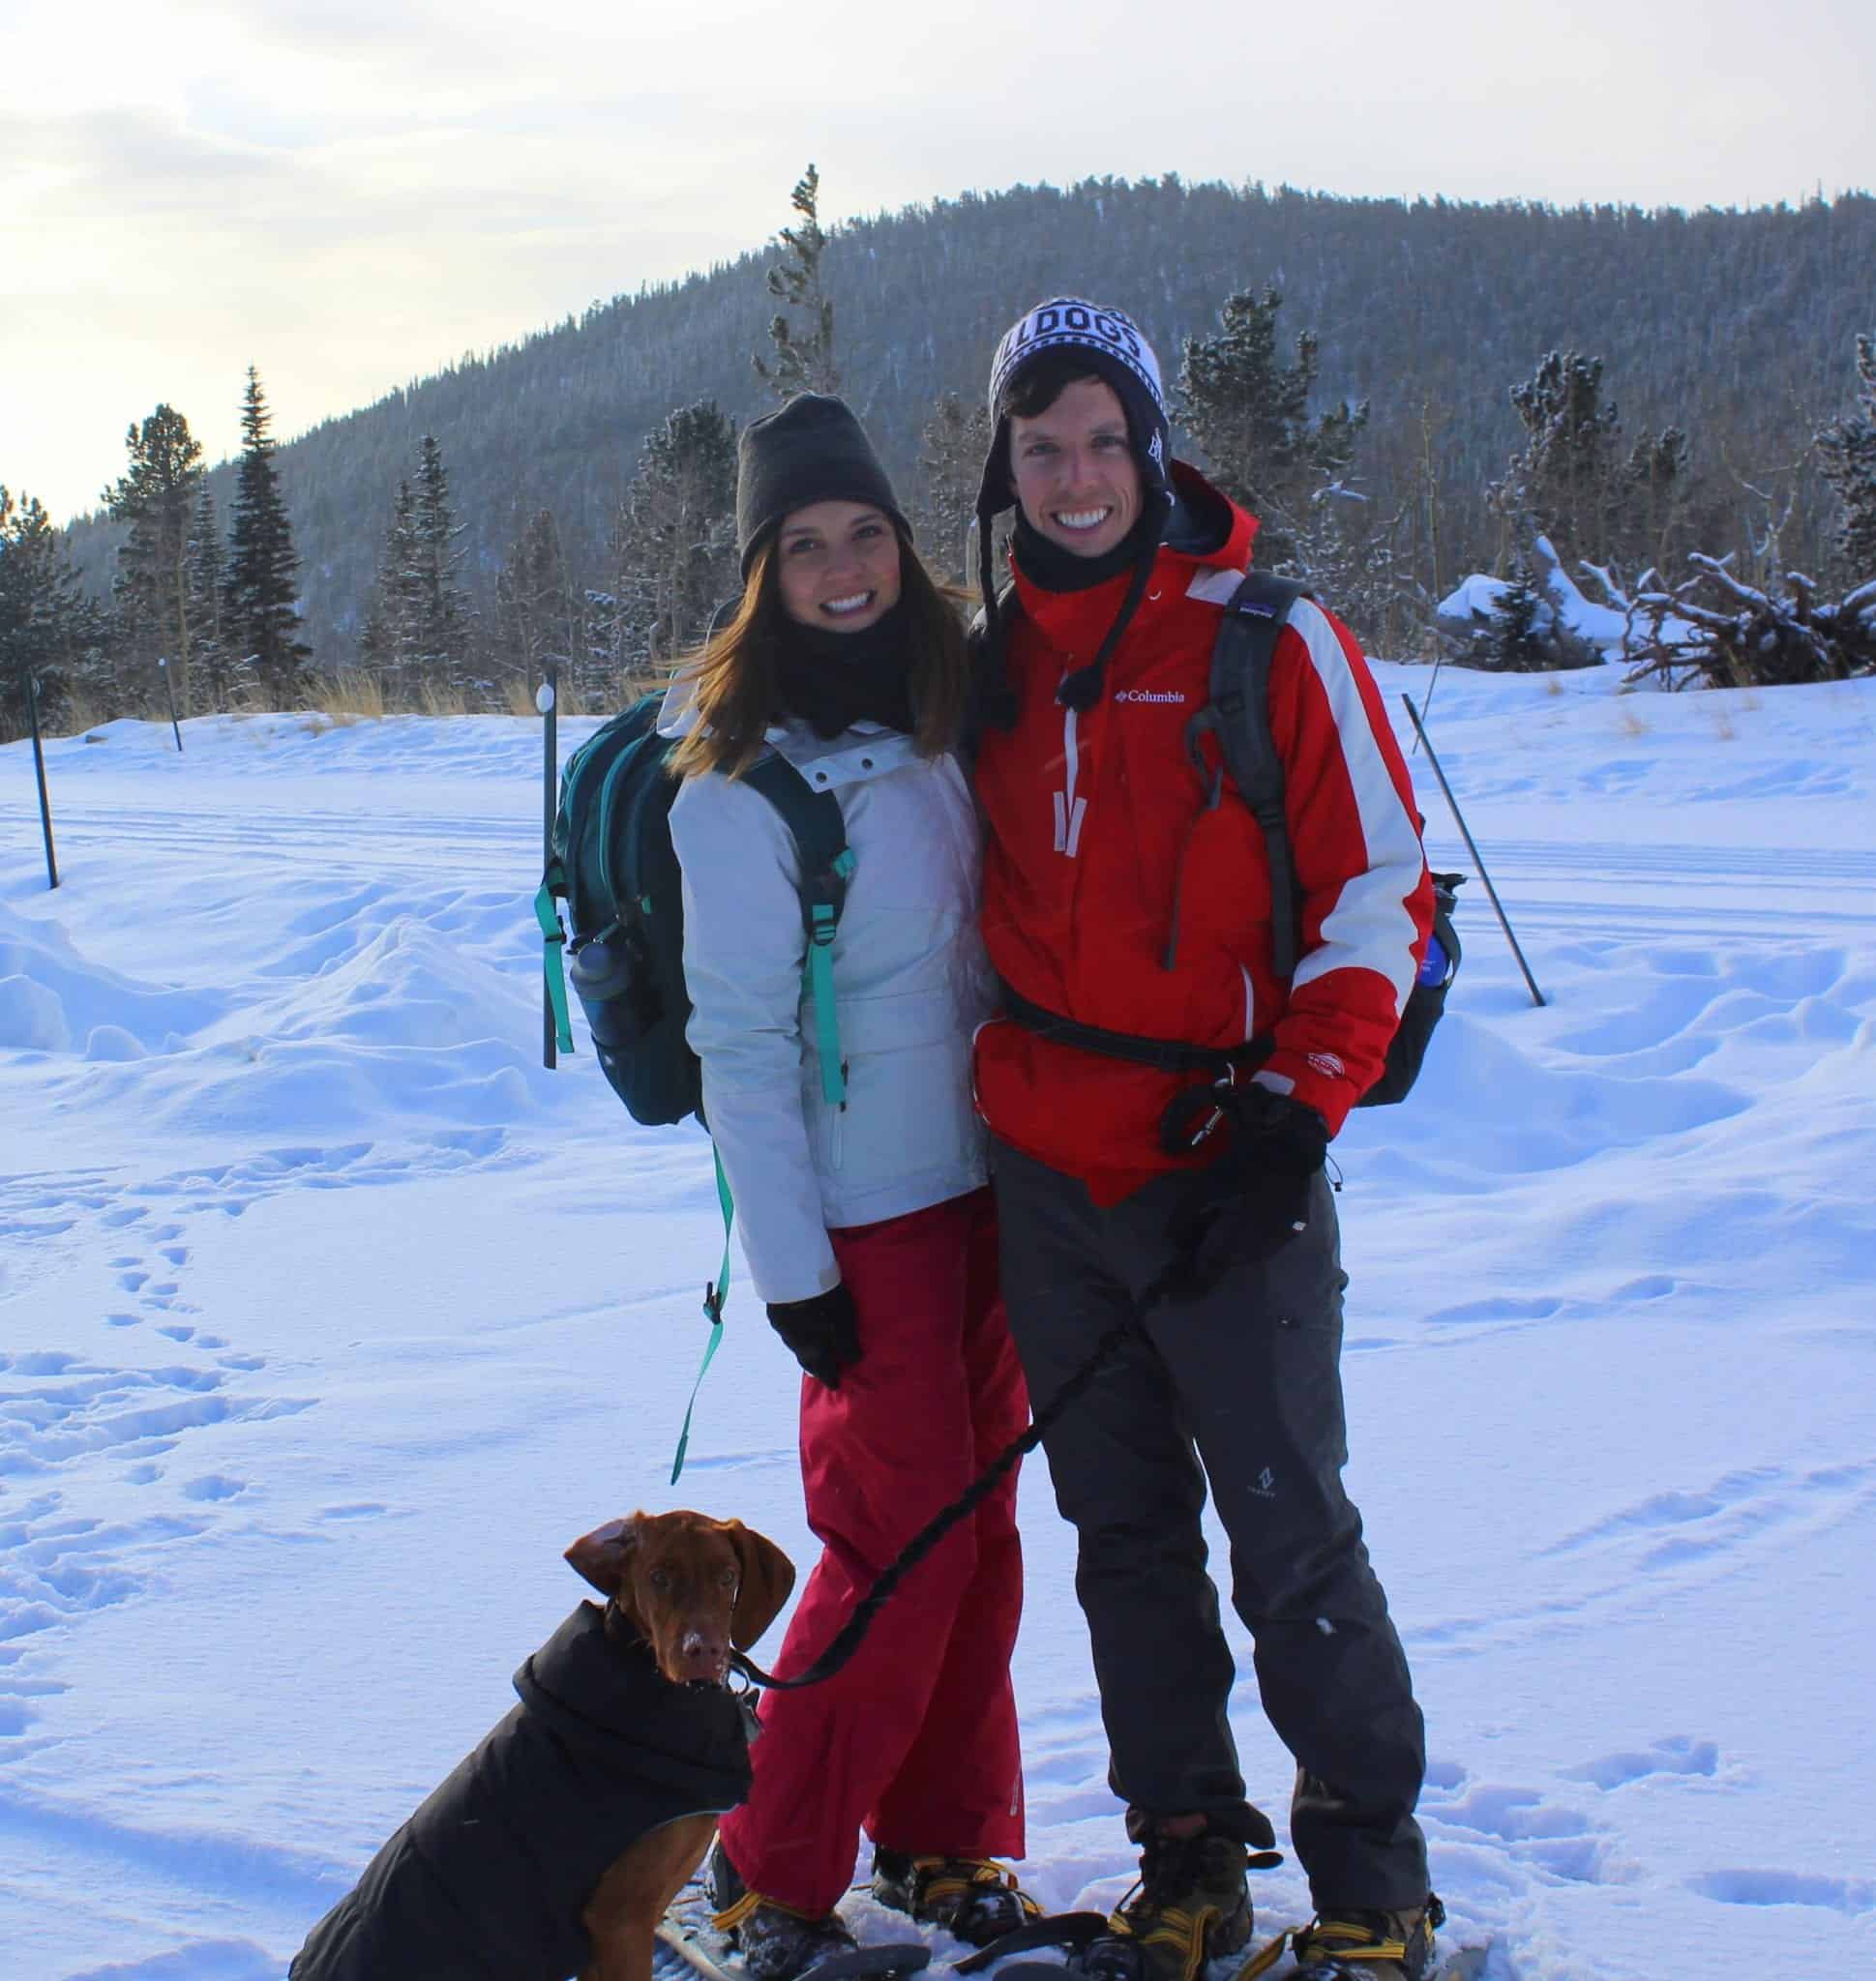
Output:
(1069, 1931)
(774, 1943)
(1358, 1946)
(1191, 1904)
(972, 1898)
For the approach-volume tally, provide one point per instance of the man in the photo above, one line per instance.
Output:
(1127, 909)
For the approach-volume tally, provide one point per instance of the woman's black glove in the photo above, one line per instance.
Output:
(822, 1334)
(1255, 1198)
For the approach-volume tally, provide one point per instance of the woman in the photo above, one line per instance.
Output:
(865, 1218)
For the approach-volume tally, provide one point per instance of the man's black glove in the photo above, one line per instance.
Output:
(822, 1334)
(1255, 1198)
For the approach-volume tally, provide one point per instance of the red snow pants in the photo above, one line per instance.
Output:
(915, 1738)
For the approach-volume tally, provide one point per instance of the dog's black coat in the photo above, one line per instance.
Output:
(486, 1881)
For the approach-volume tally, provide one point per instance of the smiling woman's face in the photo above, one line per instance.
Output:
(837, 564)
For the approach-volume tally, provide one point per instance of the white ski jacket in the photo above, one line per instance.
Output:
(910, 986)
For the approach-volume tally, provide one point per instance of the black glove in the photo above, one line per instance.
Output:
(1255, 1198)
(822, 1334)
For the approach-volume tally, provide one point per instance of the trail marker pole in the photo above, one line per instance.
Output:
(547, 699)
(38, 770)
(1537, 995)
(169, 682)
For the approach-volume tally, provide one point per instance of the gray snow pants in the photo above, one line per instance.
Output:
(1244, 1387)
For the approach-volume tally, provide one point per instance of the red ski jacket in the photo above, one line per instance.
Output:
(1102, 852)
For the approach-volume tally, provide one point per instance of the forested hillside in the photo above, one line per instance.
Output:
(1737, 327)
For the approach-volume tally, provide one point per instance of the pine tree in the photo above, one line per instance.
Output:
(156, 498)
(1564, 480)
(441, 628)
(1512, 641)
(674, 544)
(392, 640)
(216, 679)
(536, 615)
(1250, 417)
(1656, 523)
(260, 600)
(801, 363)
(951, 467)
(1847, 451)
(48, 629)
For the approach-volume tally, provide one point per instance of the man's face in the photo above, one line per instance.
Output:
(1073, 470)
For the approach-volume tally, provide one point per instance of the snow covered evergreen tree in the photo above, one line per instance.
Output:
(1848, 453)
(674, 544)
(156, 498)
(803, 360)
(1250, 416)
(537, 615)
(261, 596)
(1564, 479)
(216, 680)
(442, 621)
(47, 628)
(392, 638)
(951, 463)
(1512, 641)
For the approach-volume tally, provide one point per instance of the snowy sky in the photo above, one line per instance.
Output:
(350, 194)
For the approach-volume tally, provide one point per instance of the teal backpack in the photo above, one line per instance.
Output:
(612, 861)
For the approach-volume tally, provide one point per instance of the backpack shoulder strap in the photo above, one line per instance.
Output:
(826, 864)
(819, 832)
(1239, 713)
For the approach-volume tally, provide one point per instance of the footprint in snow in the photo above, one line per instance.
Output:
(1786, 1888)
(1677, 1754)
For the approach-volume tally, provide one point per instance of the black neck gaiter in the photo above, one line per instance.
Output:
(832, 680)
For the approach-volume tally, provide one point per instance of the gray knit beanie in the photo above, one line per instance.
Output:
(814, 450)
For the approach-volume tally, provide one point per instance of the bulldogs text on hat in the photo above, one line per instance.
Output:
(1070, 320)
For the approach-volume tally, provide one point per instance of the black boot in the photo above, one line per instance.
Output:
(1368, 1946)
(1192, 1903)
(774, 1943)
(973, 1898)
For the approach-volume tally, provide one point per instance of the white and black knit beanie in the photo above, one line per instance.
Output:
(1116, 351)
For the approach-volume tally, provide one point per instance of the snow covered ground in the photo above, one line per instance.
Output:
(328, 1318)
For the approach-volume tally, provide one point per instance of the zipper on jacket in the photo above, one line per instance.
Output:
(1070, 810)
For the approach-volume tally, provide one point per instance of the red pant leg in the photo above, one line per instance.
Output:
(879, 1455)
(959, 1790)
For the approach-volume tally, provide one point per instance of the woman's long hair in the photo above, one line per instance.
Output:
(738, 695)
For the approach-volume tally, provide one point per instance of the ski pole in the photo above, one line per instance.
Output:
(1537, 995)
(547, 699)
(169, 682)
(38, 771)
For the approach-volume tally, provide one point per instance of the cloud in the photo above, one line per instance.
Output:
(348, 192)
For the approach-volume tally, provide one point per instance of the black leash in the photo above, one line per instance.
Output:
(940, 1524)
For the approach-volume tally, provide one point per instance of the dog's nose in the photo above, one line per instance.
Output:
(704, 1655)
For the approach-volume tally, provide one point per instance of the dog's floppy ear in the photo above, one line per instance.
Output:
(768, 1575)
(604, 1555)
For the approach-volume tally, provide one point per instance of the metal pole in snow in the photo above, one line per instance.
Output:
(547, 701)
(1537, 995)
(39, 769)
(169, 682)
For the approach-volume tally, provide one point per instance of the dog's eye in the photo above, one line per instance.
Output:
(659, 1578)
(727, 1577)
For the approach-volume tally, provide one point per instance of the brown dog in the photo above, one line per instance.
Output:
(556, 1846)
(691, 1588)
